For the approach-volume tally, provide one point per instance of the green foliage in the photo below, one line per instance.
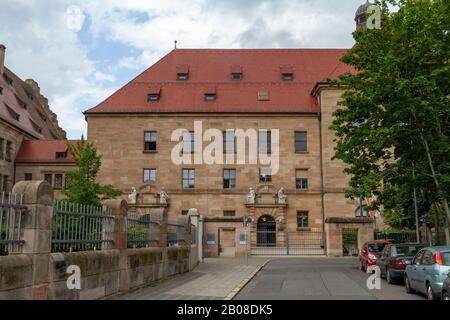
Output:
(138, 236)
(395, 111)
(81, 186)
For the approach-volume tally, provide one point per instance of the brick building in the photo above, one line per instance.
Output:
(280, 91)
(24, 115)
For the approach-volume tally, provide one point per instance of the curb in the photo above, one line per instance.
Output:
(244, 281)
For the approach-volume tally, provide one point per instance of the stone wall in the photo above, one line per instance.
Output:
(32, 271)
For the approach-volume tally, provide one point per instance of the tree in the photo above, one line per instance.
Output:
(395, 116)
(81, 186)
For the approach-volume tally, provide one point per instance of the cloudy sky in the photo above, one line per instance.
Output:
(81, 51)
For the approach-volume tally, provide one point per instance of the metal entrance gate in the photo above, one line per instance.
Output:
(287, 243)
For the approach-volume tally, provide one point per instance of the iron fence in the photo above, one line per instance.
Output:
(287, 243)
(143, 231)
(175, 233)
(80, 227)
(12, 213)
(397, 236)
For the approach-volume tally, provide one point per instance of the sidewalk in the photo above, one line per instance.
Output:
(215, 279)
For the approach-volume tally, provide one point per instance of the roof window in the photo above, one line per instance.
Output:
(182, 72)
(154, 93)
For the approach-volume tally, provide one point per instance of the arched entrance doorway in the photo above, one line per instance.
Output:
(266, 232)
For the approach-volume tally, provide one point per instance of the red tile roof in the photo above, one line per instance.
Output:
(262, 71)
(43, 151)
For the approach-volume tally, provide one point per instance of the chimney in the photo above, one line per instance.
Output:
(2, 58)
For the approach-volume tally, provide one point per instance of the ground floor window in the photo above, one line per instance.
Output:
(28, 176)
(302, 219)
(49, 178)
(229, 213)
(58, 181)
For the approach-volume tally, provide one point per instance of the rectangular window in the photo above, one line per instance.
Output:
(48, 178)
(28, 176)
(301, 141)
(61, 155)
(265, 141)
(8, 152)
(58, 181)
(184, 212)
(188, 142)
(229, 178)
(265, 175)
(229, 213)
(149, 175)
(188, 178)
(150, 140)
(302, 219)
(301, 179)
(229, 141)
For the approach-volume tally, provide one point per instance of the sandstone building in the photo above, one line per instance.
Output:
(274, 92)
(24, 115)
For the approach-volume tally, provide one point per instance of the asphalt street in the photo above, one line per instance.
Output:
(318, 278)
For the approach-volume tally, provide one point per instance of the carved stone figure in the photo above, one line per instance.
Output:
(282, 197)
(251, 196)
(132, 197)
(163, 196)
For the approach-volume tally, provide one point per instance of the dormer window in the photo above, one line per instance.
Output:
(21, 103)
(182, 72)
(61, 155)
(236, 76)
(8, 79)
(1, 90)
(288, 76)
(236, 72)
(154, 93)
(210, 93)
(35, 126)
(287, 72)
(13, 114)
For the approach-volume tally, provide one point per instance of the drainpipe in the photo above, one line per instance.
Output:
(322, 188)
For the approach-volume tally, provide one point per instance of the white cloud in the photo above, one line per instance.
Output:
(41, 44)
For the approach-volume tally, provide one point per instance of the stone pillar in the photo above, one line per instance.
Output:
(120, 237)
(333, 239)
(187, 232)
(37, 232)
(197, 221)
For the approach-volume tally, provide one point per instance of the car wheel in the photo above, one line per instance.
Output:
(388, 277)
(430, 293)
(408, 285)
(445, 295)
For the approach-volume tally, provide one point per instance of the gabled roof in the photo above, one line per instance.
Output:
(262, 70)
(43, 151)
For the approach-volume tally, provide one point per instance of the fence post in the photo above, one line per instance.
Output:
(119, 211)
(37, 232)
(187, 232)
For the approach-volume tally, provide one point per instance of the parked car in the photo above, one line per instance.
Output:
(428, 271)
(394, 259)
(370, 252)
(445, 295)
